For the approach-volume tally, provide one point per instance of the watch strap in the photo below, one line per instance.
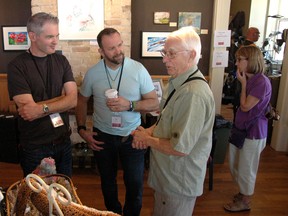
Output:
(81, 127)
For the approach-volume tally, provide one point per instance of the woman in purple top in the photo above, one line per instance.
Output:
(254, 99)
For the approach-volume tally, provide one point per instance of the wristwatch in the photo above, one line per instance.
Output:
(132, 106)
(45, 108)
(81, 127)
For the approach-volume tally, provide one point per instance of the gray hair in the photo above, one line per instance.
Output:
(36, 22)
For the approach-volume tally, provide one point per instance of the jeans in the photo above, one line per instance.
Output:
(132, 161)
(31, 156)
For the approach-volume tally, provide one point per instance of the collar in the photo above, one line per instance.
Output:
(179, 80)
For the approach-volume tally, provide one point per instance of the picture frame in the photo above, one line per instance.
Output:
(80, 20)
(15, 38)
(153, 43)
(161, 17)
(158, 85)
(190, 19)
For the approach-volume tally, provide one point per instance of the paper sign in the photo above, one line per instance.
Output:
(222, 38)
(220, 59)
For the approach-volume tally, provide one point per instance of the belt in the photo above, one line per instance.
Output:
(104, 135)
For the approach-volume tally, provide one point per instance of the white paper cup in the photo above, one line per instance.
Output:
(111, 93)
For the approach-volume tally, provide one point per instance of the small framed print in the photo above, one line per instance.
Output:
(161, 17)
(153, 43)
(15, 38)
(158, 85)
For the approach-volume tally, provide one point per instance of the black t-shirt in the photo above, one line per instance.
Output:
(43, 84)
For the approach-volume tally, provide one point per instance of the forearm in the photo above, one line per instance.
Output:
(81, 114)
(146, 105)
(62, 103)
(243, 98)
(51, 100)
(66, 101)
(163, 145)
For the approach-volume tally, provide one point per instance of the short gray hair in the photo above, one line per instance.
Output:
(35, 23)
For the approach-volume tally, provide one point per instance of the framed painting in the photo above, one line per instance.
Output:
(15, 38)
(161, 17)
(190, 19)
(80, 20)
(153, 43)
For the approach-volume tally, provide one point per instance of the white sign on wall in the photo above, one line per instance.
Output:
(220, 59)
(222, 38)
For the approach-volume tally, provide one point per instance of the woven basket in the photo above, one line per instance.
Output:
(12, 193)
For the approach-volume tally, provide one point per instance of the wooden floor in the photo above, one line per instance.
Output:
(270, 198)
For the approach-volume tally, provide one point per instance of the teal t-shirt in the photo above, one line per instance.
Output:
(135, 81)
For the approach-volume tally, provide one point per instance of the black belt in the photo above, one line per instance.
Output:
(106, 136)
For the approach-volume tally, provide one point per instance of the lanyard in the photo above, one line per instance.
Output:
(46, 84)
(171, 94)
(106, 70)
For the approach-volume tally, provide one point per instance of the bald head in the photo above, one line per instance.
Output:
(253, 34)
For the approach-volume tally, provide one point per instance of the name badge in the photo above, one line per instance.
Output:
(56, 120)
(116, 120)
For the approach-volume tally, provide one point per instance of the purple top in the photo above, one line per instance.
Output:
(254, 120)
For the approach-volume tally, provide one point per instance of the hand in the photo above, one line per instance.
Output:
(88, 136)
(30, 111)
(140, 137)
(119, 104)
(241, 76)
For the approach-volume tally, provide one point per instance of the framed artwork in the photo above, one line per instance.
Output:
(161, 17)
(153, 43)
(190, 19)
(80, 20)
(158, 85)
(15, 38)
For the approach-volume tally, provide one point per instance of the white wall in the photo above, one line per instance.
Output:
(280, 136)
(258, 14)
(220, 22)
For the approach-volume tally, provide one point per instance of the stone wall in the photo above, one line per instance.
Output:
(82, 55)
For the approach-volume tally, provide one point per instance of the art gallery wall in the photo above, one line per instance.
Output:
(8, 9)
(143, 21)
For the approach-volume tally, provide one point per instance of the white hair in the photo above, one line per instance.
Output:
(189, 38)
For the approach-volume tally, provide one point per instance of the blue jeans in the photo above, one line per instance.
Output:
(132, 161)
(31, 156)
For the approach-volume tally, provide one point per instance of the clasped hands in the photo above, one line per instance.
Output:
(140, 138)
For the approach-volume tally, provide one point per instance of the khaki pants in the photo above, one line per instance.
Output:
(173, 205)
(244, 164)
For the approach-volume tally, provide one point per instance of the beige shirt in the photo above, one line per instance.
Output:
(187, 121)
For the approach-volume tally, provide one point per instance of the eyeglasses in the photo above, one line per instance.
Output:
(169, 54)
(240, 59)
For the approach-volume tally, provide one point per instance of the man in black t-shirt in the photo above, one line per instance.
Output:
(41, 84)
